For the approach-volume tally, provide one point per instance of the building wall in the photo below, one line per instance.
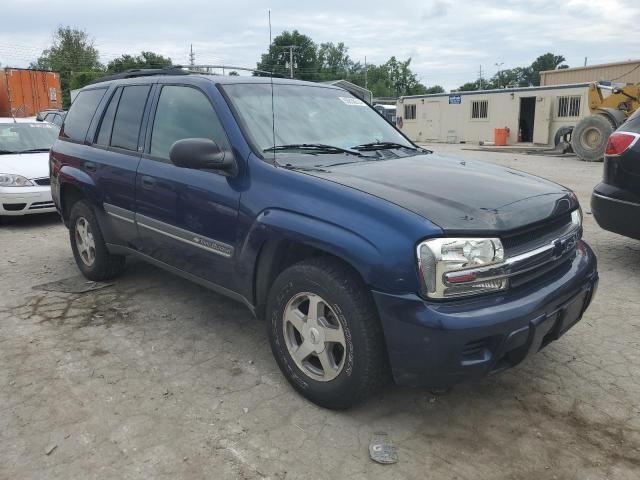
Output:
(624, 72)
(437, 120)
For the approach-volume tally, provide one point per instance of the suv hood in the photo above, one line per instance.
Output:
(29, 165)
(460, 196)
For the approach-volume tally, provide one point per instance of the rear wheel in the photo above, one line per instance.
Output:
(589, 137)
(325, 333)
(89, 249)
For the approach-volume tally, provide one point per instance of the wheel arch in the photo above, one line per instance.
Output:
(74, 185)
(275, 256)
(282, 242)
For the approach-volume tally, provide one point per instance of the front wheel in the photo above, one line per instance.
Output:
(325, 333)
(89, 249)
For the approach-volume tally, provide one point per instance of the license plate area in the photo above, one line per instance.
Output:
(564, 318)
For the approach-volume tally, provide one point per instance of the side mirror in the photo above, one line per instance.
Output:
(200, 153)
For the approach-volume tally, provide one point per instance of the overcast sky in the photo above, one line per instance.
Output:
(447, 40)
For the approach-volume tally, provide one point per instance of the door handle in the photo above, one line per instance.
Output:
(147, 181)
(90, 166)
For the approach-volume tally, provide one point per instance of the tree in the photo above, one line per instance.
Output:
(434, 89)
(548, 61)
(511, 77)
(333, 61)
(144, 60)
(305, 58)
(71, 53)
(479, 84)
(391, 79)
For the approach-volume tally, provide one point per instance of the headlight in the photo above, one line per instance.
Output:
(443, 264)
(576, 217)
(11, 180)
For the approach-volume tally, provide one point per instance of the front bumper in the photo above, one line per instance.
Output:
(16, 201)
(616, 210)
(441, 344)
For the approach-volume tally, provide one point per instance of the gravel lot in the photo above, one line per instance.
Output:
(155, 377)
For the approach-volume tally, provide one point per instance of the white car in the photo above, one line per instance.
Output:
(24, 166)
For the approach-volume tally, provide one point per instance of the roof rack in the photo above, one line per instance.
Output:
(141, 72)
(180, 70)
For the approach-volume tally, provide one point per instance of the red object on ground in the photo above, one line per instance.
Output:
(500, 136)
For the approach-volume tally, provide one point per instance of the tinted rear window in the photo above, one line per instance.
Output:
(81, 112)
(104, 134)
(126, 125)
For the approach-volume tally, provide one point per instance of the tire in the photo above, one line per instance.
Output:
(345, 310)
(589, 137)
(563, 135)
(89, 250)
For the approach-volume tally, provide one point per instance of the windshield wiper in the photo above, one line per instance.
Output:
(33, 150)
(315, 147)
(381, 146)
(6, 152)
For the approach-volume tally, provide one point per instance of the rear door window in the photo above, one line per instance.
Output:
(184, 112)
(126, 126)
(80, 114)
(106, 125)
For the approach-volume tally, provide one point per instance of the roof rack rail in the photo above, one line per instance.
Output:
(141, 72)
(207, 70)
(180, 70)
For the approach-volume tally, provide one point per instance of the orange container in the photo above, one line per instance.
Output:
(500, 136)
(25, 92)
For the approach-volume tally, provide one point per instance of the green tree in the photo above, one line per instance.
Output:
(71, 53)
(391, 79)
(548, 61)
(144, 60)
(434, 89)
(305, 56)
(511, 77)
(333, 61)
(479, 84)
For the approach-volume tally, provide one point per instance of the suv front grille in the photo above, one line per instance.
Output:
(530, 238)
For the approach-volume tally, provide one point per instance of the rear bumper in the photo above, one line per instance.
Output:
(16, 201)
(616, 211)
(441, 344)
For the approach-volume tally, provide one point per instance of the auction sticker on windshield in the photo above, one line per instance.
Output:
(354, 102)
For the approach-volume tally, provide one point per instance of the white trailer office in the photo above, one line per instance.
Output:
(533, 115)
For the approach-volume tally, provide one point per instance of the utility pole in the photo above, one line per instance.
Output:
(480, 77)
(365, 72)
(291, 48)
(192, 57)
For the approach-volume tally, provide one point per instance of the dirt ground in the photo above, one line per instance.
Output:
(155, 377)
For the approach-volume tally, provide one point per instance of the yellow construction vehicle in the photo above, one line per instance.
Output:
(589, 137)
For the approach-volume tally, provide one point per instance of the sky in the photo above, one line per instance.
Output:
(447, 40)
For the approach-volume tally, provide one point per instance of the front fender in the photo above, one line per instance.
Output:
(278, 225)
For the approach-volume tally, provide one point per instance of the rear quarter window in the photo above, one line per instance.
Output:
(126, 125)
(80, 114)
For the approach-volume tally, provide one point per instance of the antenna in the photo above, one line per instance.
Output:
(273, 112)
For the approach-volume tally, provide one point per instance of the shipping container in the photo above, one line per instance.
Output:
(24, 92)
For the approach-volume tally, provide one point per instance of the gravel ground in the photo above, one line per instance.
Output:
(155, 377)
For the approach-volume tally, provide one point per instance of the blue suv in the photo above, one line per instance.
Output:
(368, 257)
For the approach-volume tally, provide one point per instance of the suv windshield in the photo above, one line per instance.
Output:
(26, 137)
(312, 120)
